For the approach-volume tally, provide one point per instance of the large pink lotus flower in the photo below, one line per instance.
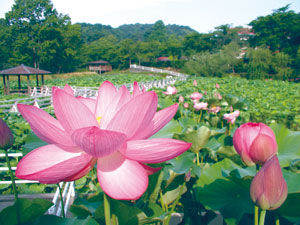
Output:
(112, 130)
(6, 137)
(255, 143)
(231, 117)
(268, 188)
(170, 91)
(196, 96)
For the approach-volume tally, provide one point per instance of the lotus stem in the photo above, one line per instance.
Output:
(277, 221)
(175, 203)
(61, 202)
(200, 116)
(197, 158)
(262, 217)
(13, 184)
(107, 209)
(256, 211)
(162, 202)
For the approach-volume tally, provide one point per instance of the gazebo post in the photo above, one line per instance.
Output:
(4, 83)
(43, 83)
(28, 84)
(19, 83)
(37, 80)
(7, 78)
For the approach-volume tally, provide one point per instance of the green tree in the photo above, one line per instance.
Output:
(41, 37)
(279, 31)
(157, 33)
(196, 42)
(281, 65)
(260, 61)
(5, 44)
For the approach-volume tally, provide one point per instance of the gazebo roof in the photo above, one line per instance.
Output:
(98, 62)
(23, 70)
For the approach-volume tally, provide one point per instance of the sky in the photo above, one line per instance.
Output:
(201, 15)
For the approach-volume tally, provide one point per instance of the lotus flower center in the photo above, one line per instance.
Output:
(99, 119)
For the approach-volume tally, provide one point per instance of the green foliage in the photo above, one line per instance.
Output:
(28, 209)
(41, 37)
(278, 31)
(213, 64)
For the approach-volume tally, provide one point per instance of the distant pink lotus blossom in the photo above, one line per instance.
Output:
(205, 92)
(186, 105)
(170, 91)
(219, 96)
(200, 106)
(181, 99)
(215, 109)
(231, 117)
(196, 96)
(217, 85)
(112, 131)
(195, 83)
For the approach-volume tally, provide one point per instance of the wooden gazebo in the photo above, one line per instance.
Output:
(21, 71)
(99, 66)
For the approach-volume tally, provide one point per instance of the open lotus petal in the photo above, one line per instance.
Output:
(136, 114)
(154, 150)
(50, 164)
(160, 119)
(97, 142)
(45, 126)
(122, 178)
(71, 113)
(88, 102)
(68, 89)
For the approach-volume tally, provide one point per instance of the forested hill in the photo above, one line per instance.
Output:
(141, 32)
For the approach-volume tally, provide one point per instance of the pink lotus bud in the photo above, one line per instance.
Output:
(196, 96)
(217, 85)
(231, 117)
(200, 105)
(268, 188)
(231, 108)
(6, 137)
(181, 99)
(187, 176)
(195, 83)
(205, 92)
(170, 91)
(219, 96)
(186, 105)
(255, 143)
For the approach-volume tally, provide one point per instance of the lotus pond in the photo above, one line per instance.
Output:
(207, 181)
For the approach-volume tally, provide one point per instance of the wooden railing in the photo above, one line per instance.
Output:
(41, 97)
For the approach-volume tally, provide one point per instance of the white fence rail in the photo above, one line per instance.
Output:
(41, 97)
(136, 68)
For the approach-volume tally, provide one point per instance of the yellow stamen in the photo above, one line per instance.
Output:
(99, 119)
